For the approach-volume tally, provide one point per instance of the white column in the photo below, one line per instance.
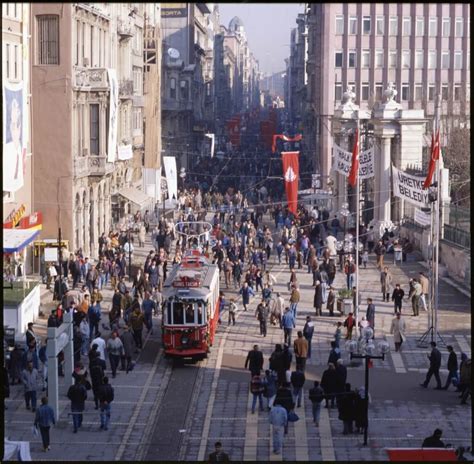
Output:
(80, 226)
(85, 230)
(384, 181)
(107, 214)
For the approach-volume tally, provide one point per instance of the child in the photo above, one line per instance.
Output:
(365, 258)
(232, 311)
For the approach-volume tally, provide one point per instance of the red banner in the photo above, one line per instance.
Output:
(291, 173)
(354, 173)
(433, 158)
(284, 137)
(233, 127)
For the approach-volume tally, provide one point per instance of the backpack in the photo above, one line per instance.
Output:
(256, 385)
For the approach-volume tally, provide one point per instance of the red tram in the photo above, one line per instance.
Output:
(191, 307)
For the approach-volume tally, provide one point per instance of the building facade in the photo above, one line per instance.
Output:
(87, 64)
(423, 48)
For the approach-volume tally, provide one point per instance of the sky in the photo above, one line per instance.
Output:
(268, 27)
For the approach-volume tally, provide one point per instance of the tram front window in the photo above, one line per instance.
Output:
(178, 313)
(189, 314)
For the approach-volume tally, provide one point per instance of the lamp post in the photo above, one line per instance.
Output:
(345, 213)
(365, 349)
(130, 226)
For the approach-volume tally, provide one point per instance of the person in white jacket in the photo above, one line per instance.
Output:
(398, 331)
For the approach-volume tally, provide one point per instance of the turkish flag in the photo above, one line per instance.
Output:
(291, 173)
(285, 138)
(355, 161)
(434, 157)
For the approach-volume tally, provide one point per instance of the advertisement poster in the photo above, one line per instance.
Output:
(14, 143)
(113, 116)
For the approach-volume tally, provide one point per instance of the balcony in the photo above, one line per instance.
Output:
(94, 166)
(90, 79)
(171, 104)
(126, 89)
(125, 29)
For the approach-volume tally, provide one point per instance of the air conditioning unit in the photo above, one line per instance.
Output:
(85, 61)
(85, 152)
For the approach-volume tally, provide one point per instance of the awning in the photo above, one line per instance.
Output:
(136, 196)
(17, 239)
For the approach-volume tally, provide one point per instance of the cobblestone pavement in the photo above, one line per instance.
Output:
(401, 413)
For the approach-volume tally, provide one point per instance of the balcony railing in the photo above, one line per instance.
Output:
(126, 89)
(92, 166)
(90, 78)
(125, 29)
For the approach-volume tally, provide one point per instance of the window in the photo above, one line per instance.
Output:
(338, 59)
(393, 25)
(137, 40)
(8, 59)
(339, 24)
(184, 89)
(366, 25)
(420, 26)
(446, 27)
(365, 58)
(457, 92)
(338, 91)
(48, 39)
(352, 59)
(405, 92)
(432, 59)
(352, 25)
(418, 59)
(137, 80)
(15, 62)
(444, 92)
(94, 129)
(378, 91)
(78, 37)
(406, 26)
(459, 27)
(458, 60)
(418, 92)
(445, 59)
(380, 25)
(92, 44)
(365, 91)
(433, 27)
(431, 92)
(379, 58)
(405, 58)
(173, 88)
(137, 120)
(392, 59)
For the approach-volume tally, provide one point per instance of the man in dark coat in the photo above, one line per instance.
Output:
(435, 364)
(318, 298)
(308, 331)
(254, 361)
(341, 374)
(329, 384)
(278, 363)
(370, 315)
(77, 393)
(452, 367)
(284, 398)
(346, 408)
(97, 369)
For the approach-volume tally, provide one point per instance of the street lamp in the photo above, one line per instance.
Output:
(344, 212)
(366, 349)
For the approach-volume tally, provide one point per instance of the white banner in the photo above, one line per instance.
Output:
(343, 162)
(14, 141)
(212, 137)
(152, 182)
(409, 188)
(113, 115)
(171, 176)
(124, 152)
(422, 218)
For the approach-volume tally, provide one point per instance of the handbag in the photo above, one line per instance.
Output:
(293, 417)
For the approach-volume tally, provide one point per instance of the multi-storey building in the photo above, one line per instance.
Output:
(423, 48)
(87, 85)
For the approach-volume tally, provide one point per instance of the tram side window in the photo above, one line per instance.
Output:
(168, 312)
(189, 314)
(178, 313)
(200, 311)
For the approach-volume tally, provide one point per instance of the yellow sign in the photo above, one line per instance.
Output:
(15, 217)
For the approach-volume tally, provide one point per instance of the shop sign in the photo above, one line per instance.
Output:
(174, 12)
(15, 217)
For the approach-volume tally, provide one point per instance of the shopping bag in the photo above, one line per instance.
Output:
(35, 430)
(293, 417)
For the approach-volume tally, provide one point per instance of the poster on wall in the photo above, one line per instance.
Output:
(14, 142)
(113, 116)
(125, 152)
(409, 188)
(171, 176)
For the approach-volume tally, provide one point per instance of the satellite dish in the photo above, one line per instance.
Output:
(173, 53)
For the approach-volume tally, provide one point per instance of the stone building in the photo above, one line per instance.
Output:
(423, 48)
(87, 85)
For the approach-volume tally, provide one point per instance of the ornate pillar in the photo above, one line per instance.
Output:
(384, 180)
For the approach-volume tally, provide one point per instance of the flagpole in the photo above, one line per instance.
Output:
(357, 228)
(436, 222)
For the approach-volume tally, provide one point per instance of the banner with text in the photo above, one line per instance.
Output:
(422, 218)
(113, 116)
(171, 176)
(343, 162)
(409, 188)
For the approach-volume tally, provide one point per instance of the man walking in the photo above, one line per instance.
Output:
(297, 381)
(435, 364)
(115, 351)
(288, 324)
(129, 347)
(316, 396)
(246, 292)
(308, 331)
(294, 300)
(380, 251)
(261, 313)
(397, 298)
(30, 378)
(398, 330)
(77, 393)
(452, 367)
(370, 315)
(254, 361)
(106, 396)
(279, 421)
(300, 346)
(43, 419)
(425, 288)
